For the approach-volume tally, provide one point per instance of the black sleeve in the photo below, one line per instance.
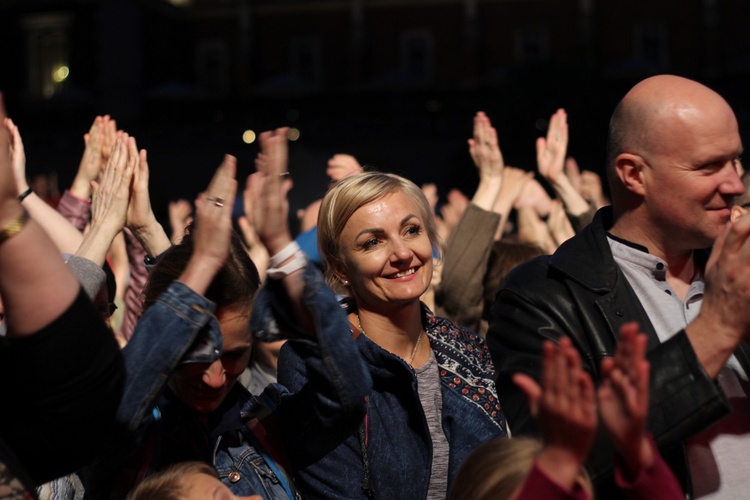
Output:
(61, 388)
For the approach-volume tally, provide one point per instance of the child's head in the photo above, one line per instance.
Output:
(497, 469)
(184, 481)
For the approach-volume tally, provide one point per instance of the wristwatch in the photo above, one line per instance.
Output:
(14, 227)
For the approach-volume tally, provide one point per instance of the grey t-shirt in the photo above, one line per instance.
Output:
(428, 386)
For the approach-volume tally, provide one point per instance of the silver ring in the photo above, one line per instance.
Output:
(285, 174)
(218, 201)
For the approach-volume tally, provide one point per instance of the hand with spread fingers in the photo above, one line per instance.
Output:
(623, 399)
(564, 409)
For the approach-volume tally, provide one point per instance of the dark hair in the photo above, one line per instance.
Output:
(235, 284)
(504, 256)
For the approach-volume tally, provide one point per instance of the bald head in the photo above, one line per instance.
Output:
(649, 114)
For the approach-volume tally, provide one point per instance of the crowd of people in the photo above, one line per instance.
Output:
(532, 340)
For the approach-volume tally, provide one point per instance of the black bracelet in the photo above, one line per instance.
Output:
(23, 195)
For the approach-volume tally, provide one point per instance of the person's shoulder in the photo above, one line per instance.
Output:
(448, 336)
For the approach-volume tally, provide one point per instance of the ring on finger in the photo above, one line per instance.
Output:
(218, 201)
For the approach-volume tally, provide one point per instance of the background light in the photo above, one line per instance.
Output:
(248, 137)
(61, 73)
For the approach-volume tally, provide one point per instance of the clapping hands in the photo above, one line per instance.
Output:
(564, 405)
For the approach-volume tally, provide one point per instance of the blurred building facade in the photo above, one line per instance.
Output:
(360, 74)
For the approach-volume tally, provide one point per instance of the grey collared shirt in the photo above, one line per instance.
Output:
(716, 455)
(647, 275)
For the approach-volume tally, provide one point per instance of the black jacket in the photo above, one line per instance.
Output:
(581, 292)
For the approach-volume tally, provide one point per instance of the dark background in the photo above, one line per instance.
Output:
(395, 83)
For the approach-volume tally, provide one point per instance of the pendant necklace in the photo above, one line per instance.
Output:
(416, 346)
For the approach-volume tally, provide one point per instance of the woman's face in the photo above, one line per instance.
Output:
(386, 252)
(204, 386)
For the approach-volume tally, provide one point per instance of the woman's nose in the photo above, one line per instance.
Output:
(401, 251)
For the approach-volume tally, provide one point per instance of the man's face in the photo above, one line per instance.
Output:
(204, 386)
(691, 178)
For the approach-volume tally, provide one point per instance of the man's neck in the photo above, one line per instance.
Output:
(681, 266)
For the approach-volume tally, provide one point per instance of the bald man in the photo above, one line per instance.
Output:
(673, 149)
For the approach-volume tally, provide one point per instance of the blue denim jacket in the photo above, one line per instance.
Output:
(399, 447)
(181, 327)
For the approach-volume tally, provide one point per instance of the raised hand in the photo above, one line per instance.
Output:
(17, 156)
(109, 136)
(109, 203)
(452, 211)
(92, 161)
(550, 152)
(269, 190)
(487, 157)
(140, 216)
(341, 166)
(591, 188)
(724, 318)
(514, 180)
(564, 410)
(257, 251)
(623, 399)
(179, 218)
(558, 223)
(573, 173)
(213, 224)
(534, 196)
(484, 148)
(8, 187)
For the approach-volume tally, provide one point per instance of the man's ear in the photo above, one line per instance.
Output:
(630, 169)
(737, 212)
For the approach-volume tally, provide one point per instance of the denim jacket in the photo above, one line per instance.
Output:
(181, 327)
(398, 445)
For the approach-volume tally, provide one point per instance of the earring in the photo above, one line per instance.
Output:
(345, 282)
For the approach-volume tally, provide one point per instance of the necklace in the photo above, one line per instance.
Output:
(416, 346)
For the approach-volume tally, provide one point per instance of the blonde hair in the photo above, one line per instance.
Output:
(497, 469)
(169, 484)
(340, 203)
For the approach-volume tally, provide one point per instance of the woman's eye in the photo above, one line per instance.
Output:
(370, 243)
(413, 230)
